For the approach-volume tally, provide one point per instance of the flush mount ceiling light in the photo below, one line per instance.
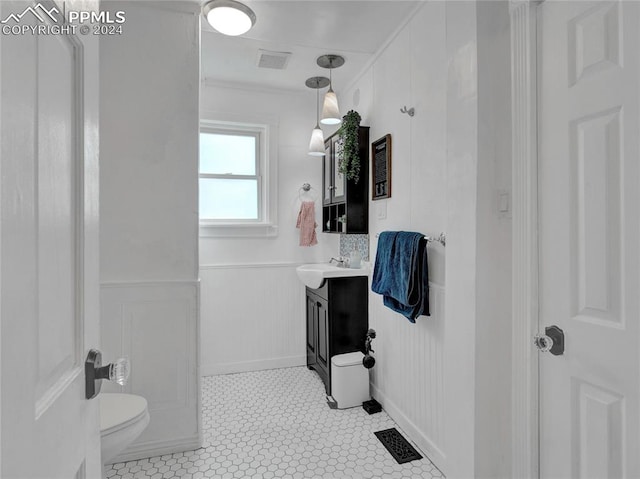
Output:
(229, 17)
(330, 110)
(316, 145)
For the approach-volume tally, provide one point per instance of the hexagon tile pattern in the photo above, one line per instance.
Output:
(276, 424)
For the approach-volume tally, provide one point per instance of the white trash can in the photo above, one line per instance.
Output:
(349, 380)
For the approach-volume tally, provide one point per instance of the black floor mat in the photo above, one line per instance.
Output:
(397, 445)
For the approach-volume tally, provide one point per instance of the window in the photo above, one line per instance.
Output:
(230, 182)
(236, 179)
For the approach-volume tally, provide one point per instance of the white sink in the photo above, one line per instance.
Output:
(313, 275)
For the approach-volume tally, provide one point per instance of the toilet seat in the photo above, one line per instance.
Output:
(123, 417)
(118, 411)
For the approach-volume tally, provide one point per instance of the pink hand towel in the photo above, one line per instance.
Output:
(307, 223)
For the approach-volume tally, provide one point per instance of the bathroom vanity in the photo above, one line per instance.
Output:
(337, 321)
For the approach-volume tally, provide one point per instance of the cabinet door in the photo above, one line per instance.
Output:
(322, 353)
(327, 165)
(312, 330)
(338, 179)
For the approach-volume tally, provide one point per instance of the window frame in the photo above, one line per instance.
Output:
(266, 129)
(257, 134)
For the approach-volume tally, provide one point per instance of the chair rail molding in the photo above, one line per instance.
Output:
(525, 450)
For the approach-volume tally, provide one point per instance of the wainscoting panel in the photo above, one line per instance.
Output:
(155, 325)
(408, 375)
(253, 318)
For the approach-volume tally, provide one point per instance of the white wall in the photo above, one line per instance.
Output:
(493, 269)
(461, 254)
(148, 214)
(252, 302)
(408, 377)
(440, 379)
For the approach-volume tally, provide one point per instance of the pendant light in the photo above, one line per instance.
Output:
(316, 145)
(330, 111)
(229, 16)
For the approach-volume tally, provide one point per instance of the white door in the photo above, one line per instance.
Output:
(589, 206)
(48, 245)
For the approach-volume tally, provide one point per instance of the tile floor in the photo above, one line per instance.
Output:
(276, 424)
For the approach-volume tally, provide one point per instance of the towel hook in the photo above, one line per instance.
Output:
(411, 111)
(306, 191)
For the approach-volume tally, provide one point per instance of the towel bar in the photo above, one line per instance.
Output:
(442, 239)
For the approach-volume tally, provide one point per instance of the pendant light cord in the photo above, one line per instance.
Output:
(317, 101)
(330, 75)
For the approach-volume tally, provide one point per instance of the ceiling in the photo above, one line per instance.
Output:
(355, 29)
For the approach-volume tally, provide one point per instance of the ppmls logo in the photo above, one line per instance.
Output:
(51, 14)
(53, 22)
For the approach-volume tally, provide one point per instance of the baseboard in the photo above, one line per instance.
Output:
(158, 448)
(246, 366)
(416, 435)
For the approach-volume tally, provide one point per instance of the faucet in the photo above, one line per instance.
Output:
(340, 262)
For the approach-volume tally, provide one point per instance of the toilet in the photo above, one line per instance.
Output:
(123, 417)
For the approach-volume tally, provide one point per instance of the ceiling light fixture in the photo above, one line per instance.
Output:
(316, 145)
(330, 110)
(229, 17)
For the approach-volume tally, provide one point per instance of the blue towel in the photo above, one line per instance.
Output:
(400, 273)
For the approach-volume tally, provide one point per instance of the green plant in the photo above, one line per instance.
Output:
(349, 159)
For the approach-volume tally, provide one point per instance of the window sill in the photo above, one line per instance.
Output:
(257, 230)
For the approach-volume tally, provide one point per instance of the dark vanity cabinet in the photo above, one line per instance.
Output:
(337, 322)
(345, 199)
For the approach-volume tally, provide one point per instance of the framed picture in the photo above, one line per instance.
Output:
(381, 168)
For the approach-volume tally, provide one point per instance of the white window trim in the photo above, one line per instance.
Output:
(259, 134)
(266, 225)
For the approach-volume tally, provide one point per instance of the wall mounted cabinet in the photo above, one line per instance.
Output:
(337, 322)
(345, 199)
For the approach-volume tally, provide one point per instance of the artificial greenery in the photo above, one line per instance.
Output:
(349, 161)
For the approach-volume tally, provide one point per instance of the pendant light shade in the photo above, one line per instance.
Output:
(330, 111)
(229, 17)
(316, 145)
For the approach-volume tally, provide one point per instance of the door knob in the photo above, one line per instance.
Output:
(551, 341)
(95, 372)
(543, 342)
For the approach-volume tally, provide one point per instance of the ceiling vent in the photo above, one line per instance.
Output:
(274, 60)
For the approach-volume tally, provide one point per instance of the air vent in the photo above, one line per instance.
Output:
(274, 60)
(397, 445)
